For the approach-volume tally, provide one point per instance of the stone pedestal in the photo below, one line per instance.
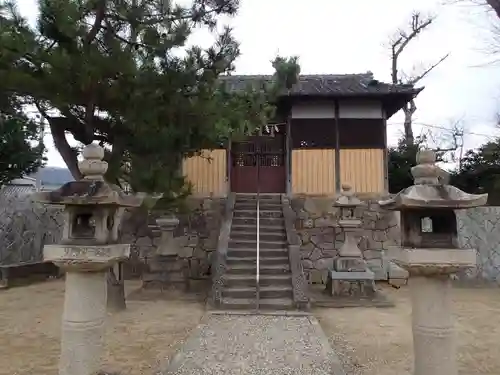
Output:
(84, 311)
(83, 323)
(432, 319)
(166, 268)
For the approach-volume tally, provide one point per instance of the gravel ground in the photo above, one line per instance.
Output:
(371, 341)
(138, 340)
(256, 345)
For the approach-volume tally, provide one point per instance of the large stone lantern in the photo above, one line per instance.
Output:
(89, 247)
(429, 251)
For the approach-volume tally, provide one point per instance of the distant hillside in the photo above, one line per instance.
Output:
(53, 176)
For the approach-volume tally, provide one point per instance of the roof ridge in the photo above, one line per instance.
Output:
(313, 75)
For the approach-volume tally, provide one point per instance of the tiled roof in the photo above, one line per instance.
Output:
(327, 85)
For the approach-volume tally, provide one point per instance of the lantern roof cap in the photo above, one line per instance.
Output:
(91, 189)
(429, 191)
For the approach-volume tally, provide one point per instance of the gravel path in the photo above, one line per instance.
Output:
(256, 345)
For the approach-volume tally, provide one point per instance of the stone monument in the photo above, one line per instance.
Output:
(88, 249)
(430, 252)
(350, 276)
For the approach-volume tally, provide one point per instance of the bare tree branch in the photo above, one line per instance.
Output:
(414, 80)
(399, 43)
(404, 37)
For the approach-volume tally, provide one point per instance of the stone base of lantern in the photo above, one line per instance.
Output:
(84, 311)
(166, 271)
(352, 284)
(434, 339)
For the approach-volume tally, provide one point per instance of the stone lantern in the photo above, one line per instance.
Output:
(350, 276)
(89, 247)
(430, 252)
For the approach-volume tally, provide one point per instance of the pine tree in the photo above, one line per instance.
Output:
(21, 149)
(121, 72)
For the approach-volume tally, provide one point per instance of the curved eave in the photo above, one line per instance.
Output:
(401, 202)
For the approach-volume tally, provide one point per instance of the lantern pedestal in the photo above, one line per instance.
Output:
(84, 310)
(166, 269)
(432, 319)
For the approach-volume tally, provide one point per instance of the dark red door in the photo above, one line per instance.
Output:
(258, 164)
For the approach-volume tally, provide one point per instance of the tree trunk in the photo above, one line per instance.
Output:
(409, 110)
(495, 5)
(116, 292)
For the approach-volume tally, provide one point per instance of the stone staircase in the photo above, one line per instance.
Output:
(240, 291)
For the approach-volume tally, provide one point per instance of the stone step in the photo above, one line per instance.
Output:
(253, 260)
(263, 228)
(281, 291)
(231, 280)
(252, 244)
(249, 252)
(263, 236)
(264, 221)
(252, 206)
(262, 197)
(264, 304)
(265, 269)
(274, 214)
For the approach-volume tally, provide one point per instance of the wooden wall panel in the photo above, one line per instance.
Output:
(207, 173)
(363, 169)
(313, 171)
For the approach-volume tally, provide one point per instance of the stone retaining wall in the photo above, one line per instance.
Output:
(479, 228)
(197, 235)
(28, 225)
(321, 237)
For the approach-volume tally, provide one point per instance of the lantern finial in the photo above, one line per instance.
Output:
(92, 166)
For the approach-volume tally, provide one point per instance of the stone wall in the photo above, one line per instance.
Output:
(479, 228)
(321, 238)
(26, 225)
(197, 235)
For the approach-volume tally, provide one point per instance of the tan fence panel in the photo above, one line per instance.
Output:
(207, 173)
(313, 171)
(363, 169)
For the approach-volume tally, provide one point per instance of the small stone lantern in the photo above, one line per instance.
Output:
(89, 247)
(166, 268)
(430, 252)
(350, 276)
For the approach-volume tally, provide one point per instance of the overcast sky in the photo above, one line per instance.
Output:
(350, 36)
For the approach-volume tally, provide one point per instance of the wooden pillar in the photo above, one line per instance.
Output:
(228, 166)
(337, 148)
(288, 156)
(385, 155)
